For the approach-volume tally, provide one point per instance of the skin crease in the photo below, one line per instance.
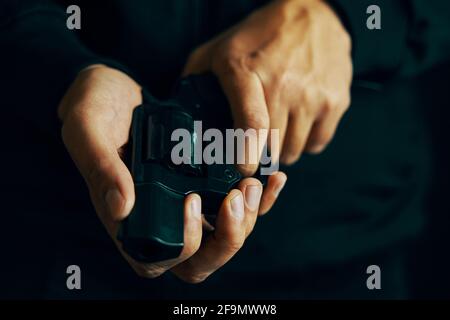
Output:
(287, 66)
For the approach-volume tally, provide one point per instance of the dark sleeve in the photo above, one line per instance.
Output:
(39, 59)
(414, 36)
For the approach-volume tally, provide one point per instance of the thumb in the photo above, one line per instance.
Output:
(109, 181)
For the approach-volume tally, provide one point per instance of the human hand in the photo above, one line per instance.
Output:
(287, 67)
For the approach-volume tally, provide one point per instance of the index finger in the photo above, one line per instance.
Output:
(245, 95)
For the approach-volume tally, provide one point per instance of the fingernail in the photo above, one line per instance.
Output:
(253, 196)
(196, 208)
(114, 201)
(279, 187)
(237, 207)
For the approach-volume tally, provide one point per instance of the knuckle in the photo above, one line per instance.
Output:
(93, 175)
(250, 228)
(233, 46)
(293, 150)
(346, 100)
(190, 247)
(285, 12)
(193, 278)
(312, 98)
(247, 169)
(346, 40)
(234, 245)
(95, 172)
(330, 106)
(292, 81)
(197, 55)
(291, 157)
(149, 271)
(336, 102)
(256, 119)
(323, 138)
(231, 64)
(280, 81)
(331, 103)
(233, 60)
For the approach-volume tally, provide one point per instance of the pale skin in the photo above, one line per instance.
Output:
(287, 66)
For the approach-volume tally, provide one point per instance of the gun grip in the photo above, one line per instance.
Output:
(154, 230)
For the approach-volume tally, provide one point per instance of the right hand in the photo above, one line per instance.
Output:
(96, 113)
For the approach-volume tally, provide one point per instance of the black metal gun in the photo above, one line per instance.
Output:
(154, 229)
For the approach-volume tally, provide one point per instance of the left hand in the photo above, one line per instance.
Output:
(287, 66)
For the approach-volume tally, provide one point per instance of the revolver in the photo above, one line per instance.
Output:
(154, 230)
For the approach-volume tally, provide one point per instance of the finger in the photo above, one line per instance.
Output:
(252, 190)
(220, 246)
(299, 126)
(275, 184)
(192, 241)
(206, 225)
(323, 131)
(199, 61)
(278, 121)
(109, 181)
(245, 94)
(192, 227)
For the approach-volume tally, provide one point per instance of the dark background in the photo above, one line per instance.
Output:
(429, 260)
